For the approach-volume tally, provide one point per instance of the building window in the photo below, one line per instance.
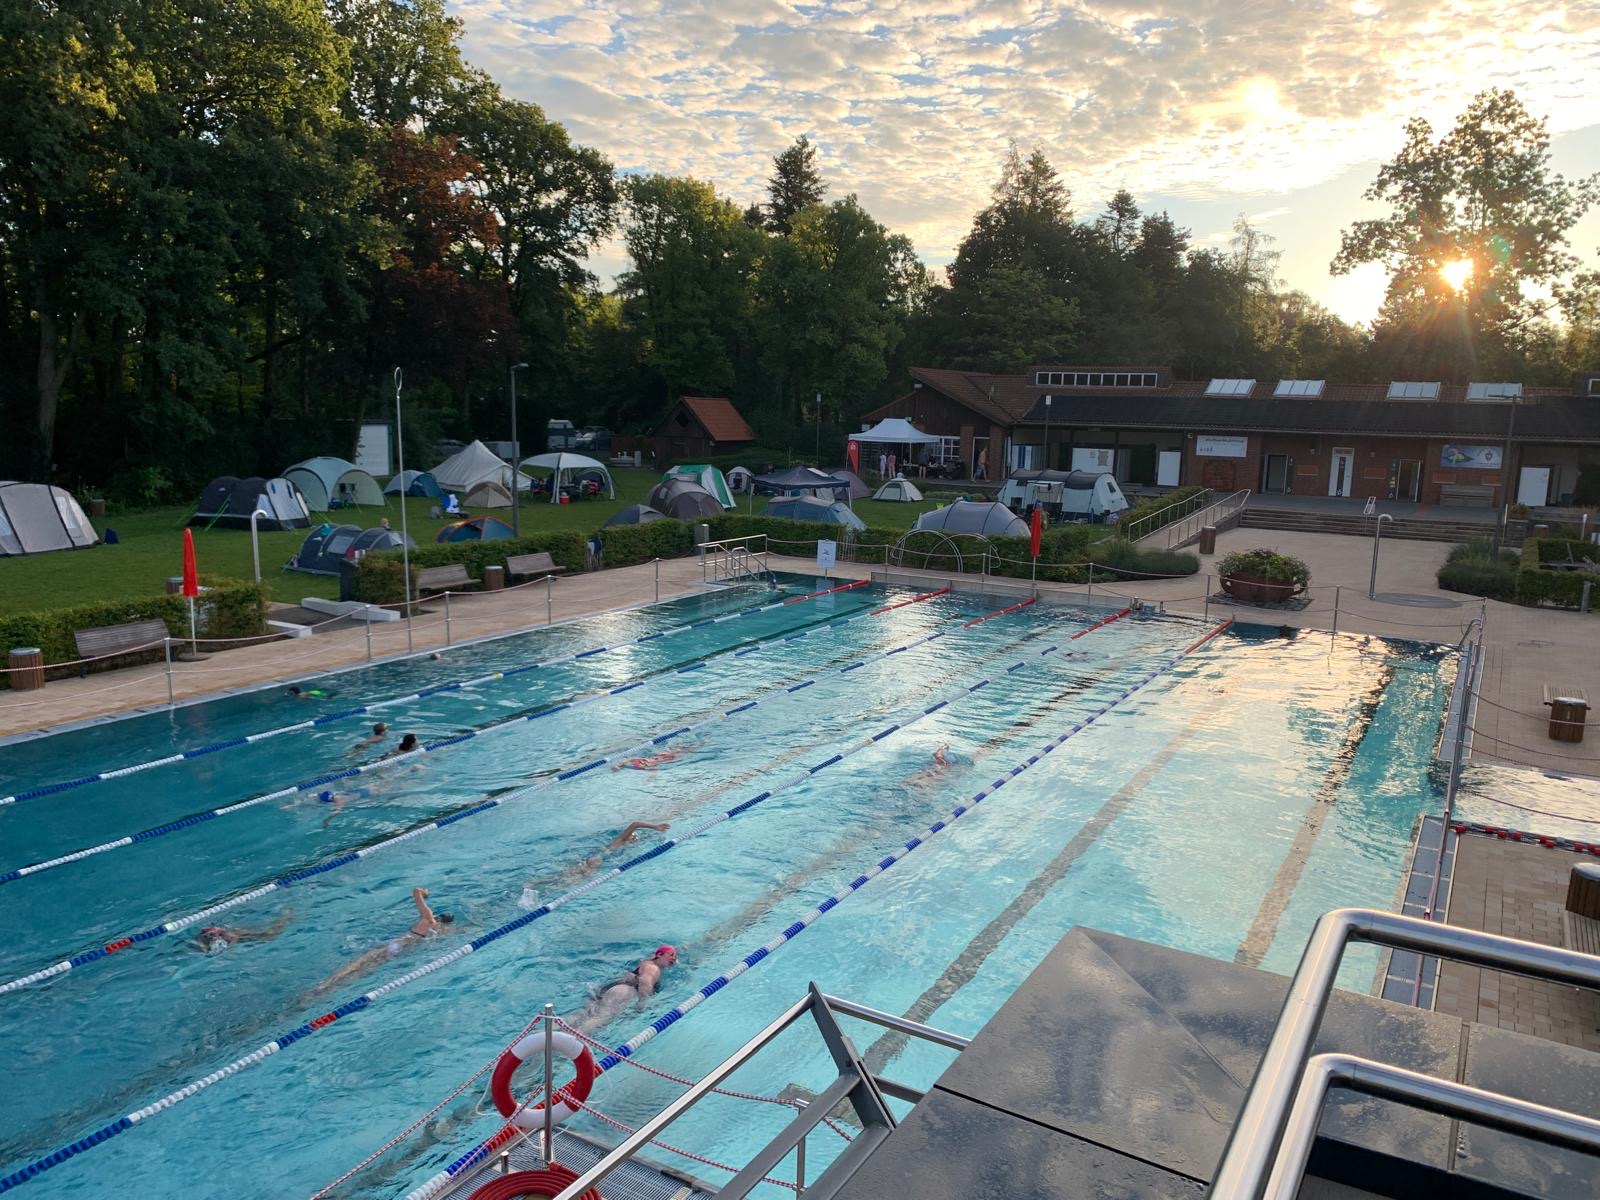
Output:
(1119, 379)
(1413, 391)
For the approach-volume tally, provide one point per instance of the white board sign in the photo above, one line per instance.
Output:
(1221, 447)
(1091, 458)
(372, 450)
(827, 553)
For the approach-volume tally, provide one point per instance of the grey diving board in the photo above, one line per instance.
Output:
(1118, 1067)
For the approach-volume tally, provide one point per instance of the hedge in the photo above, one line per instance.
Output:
(1562, 550)
(229, 608)
(1537, 586)
(1480, 577)
(1156, 504)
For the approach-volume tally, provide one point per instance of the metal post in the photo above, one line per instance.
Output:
(549, 1080)
(367, 613)
(1336, 590)
(166, 648)
(516, 457)
(800, 1169)
(658, 581)
(255, 540)
(1091, 584)
(549, 600)
(1377, 535)
(447, 618)
(1206, 609)
(405, 526)
(1583, 605)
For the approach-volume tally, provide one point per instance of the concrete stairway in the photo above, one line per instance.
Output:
(1416, 529)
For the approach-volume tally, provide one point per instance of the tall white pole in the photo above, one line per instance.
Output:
(405, 528)
(516, 458)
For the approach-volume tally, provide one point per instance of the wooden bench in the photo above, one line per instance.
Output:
(532, 564)
(444, 579)
(1465, 495)
(105, 640)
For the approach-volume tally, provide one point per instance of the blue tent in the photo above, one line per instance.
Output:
(809, 508)
(414, 483)
(478, 529)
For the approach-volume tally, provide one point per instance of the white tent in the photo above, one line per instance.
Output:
(487, 494)
(36, 517)
(895, 431)
(739, 480)
(323, 480)
(470, 466)
(972, 516)
(564, 462)
(898, 489)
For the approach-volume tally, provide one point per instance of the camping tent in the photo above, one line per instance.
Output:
(895, 431)
(739, 480)
(811, 508)
(636, 514)
(798, 481)
(1084, 494)
(228, 502)
(323, 480)
(470, 466)
(37, 517)
(563, 462)
(972, 516)
(855, 489)
(478, 529)
(324, 549)
(682, 499)
(414, 483)
(707, 477)
(898, 489)
(487, 494)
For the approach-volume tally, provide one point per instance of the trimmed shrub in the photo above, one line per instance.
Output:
(378, 577)
(1480, 577)
(1565, 550)
(1117, 559)
(1156, 504)
(1538, 586)
(229, 608)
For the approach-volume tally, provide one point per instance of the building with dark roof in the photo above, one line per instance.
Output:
(1428, 442)
(699, 427)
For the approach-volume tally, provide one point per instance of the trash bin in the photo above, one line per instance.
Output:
(97, 507)
(702, 534)
(1208, 539)
(174, 585)
(494, 579)
(1567, 715)
(27, 668)
(347, 578)
(1583, 890)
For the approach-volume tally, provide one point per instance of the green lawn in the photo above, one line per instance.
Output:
(150, 547)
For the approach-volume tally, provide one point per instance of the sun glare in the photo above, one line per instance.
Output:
(1457, 273)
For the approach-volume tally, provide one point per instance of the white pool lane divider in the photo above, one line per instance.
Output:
(397, 760)
(282, 1042)
(177, 924)
(478, 1153)
(52, 789)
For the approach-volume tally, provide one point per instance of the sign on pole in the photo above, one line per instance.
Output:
(827, 554)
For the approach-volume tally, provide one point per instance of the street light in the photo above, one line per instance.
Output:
(516, 457)
(1047, 400)
(405, 526)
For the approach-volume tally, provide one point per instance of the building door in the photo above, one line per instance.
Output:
(1533, 486)
(1407, 479)
(1341, 470)
(980, 467)
(1275, 473)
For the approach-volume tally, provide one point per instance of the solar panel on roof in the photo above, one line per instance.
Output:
(1494, 391)
(1298, 387)
(1230, 387)
(1399, 390)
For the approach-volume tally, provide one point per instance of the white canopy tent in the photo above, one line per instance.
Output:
(895, 431)
(564, 462)
(470, 466)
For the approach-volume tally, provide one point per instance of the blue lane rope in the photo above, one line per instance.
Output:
(322, 781)
(345, 858)
(433, 1186)
(367, 999)
(52, 789)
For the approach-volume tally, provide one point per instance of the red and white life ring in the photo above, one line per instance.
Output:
(532, 1185)
(577, 1088)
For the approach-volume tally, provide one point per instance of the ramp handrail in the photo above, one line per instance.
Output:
(855, 1083)
(1134, 530)
(1187, 529)
(1267, 1151)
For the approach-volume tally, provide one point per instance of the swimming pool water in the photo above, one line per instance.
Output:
(1177, 817)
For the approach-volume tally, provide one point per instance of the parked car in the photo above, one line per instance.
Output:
(593, 437)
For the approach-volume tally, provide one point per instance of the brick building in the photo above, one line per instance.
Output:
(1410, 441)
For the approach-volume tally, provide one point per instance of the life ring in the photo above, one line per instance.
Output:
(577, 1088)
(532, 1185)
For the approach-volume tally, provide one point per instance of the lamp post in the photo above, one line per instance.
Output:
(516, 457)
(1047, 401)
(405, 526)
(1377, 537)
(819, 429)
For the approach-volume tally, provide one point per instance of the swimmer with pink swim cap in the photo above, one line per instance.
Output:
(632, 987)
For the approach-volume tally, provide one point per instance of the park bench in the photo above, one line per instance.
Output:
(444, 579)
(532, 564)
(106, 640)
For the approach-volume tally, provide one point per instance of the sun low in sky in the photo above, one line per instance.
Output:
(1457, 273)
(1277, 110)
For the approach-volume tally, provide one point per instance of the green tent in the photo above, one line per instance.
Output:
(707, 477)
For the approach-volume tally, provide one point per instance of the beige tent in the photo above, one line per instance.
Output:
(487, 494)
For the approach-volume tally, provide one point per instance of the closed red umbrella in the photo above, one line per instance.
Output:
(853, 454)
(191, 574)
(1036, 532)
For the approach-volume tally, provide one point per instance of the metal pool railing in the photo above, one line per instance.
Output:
(1147, 525)
(1271, 1142)
(1185, 529)
(733, 558)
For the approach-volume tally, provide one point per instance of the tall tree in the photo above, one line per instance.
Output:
(1119, 224)
(795, 185)
(1027, 224)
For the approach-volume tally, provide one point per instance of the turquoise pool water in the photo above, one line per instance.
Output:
(1180, 813)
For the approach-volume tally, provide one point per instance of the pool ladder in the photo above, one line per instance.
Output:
(733, 559)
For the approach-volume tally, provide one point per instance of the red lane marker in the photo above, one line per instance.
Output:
(1116, 616)
(828, 591)
(913, 600)
(1002, 612)
(1208, 637)
(324, 1019)
(119, 945)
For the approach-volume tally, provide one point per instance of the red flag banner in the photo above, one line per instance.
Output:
(1036, 531)
(191, 574)
(853, 453)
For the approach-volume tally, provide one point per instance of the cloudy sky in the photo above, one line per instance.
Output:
(1207, 109)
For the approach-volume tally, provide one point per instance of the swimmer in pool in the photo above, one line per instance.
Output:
(650, 762)
(379, 734)
(310, 694)
(629, 835)
(214, 939)
(632, 987)
(425, 926)
(944, 760)
(340, 799)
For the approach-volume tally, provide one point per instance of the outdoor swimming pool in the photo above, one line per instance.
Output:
(1179, 815)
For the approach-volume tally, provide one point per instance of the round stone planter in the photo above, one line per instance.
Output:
(1249, 590)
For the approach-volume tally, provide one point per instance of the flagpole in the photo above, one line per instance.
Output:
(405, 531)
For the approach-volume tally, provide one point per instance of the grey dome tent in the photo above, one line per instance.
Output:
(228, 501)
(636, 514)
(798, 481)
(470, 466)
(323, 480)
(328, 545)
(487, 494)
(898, 489)
(414, 483)
(812, 508)
(39, 517)
(972, 516)
(682, 499)
(854, 488)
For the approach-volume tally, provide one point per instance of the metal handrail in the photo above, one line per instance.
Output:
(1215, 513)
(723, 559)
(1201, 497)
(1265, 1137)
(855, 1083)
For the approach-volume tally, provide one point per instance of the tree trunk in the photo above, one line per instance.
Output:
(54, 363)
